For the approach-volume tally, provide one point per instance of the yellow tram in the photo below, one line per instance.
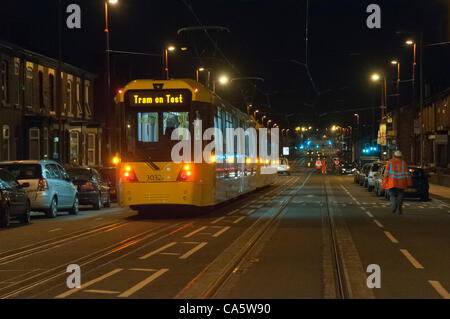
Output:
(150, 110)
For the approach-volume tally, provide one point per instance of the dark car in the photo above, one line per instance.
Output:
(92, 190)
(108, 175)
(420, 185)
(14, 202)
(346, 169)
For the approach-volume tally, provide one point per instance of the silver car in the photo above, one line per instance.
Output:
(50, 190)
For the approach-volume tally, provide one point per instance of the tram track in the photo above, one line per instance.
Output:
(233, 263)
(25, 282)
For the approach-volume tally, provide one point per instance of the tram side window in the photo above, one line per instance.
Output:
(147, 127)
(218, 123)
(174, 120)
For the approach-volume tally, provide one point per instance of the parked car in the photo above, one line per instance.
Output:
(108, 175)
(420, 186)
(372, 174)
(92, 190)
(363, 174)
(14, 201)
(356, 174)
(50, 189)
(378, 181)
(283, 167)
(346, 169)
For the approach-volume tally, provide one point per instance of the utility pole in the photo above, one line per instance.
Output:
(59, 87)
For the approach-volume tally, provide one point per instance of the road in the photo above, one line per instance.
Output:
(307, 236)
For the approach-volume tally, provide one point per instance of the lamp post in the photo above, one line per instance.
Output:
(110, 112)
(254, 113)
(166, 60)
(396, 62)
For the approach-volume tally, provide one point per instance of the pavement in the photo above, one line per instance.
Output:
(441, 191)
(307, 236)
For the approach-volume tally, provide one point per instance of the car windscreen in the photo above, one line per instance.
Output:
(5, 176)
(375, 167)
(23, 171)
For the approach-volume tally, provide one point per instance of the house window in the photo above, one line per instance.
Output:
(86, 100)
(69, 96)
(29, 85)
(17, 64)
(34, 146)
(51, 86)
(74, 147)
(79, 110)
(41, 89)
(4, 81)
(5, 142)
(91, 149)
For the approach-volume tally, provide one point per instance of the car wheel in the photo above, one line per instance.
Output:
(370, 188)
(26, 218)
(5, 218)
(98, 204)
(75, 207)
(53, 210)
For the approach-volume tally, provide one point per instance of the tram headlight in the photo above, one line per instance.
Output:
(115, 160)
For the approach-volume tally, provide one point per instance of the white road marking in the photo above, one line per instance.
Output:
(233, 212)
(56, 229)
(193, 250)
(170, 254)
(143, 269)
(89, 283)
(378, 223)
(411, 259)
(391, 238)
(217, 220)
(441, 290)
(194, 232)
(220, 232)
(143, 283)
(157, 250)
(369, 214)
(239, 219)
(102, 291)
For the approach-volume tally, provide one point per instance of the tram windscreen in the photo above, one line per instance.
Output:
(149, 133)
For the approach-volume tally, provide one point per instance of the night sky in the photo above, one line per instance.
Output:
(267, 40)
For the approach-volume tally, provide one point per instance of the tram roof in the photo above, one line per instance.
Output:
(199, 91)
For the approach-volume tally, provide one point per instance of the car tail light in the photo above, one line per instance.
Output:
(128, 175)
(42, 185)
(186, 174)
(88, 186)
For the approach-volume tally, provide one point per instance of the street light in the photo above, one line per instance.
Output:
(224, 79)
(375, 77)
(254, 113)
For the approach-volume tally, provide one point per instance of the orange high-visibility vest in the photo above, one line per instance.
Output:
(318, 164)
(396, 174)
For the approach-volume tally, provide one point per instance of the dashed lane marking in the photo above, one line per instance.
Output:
(391, 237)
(378, 223)
(158, 250)
(143, 283)
(441, 290)
(220, 232)
(195, 232)
(217, 220)
(411, 259)
(89, 283)
(193, 250)
(111, 292)
(233, 212)
(239, 219)
(56, 229)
